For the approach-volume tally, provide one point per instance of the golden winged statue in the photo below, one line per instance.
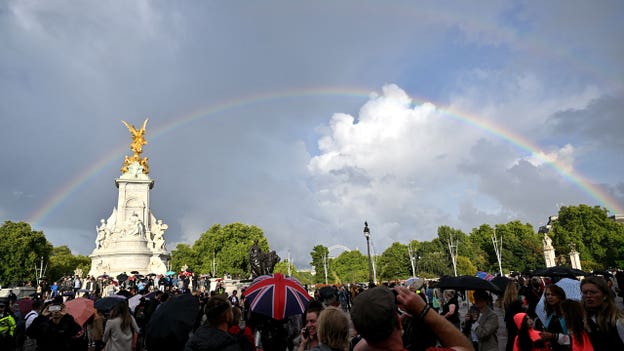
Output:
(138, 140)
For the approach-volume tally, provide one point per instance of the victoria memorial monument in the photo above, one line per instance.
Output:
(131, 239)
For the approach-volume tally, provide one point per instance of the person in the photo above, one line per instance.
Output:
(328, 296)
(12, 298)
(576, 322)
(243, 335)
(527, 338)
(214, 336)
(309, 337)
(55, 329)
(606, 326)
(7, 328)
(554, 325)
(234, 299)
(121, 329)
(30, 344)
(486, 326)
(471, 317)
(333, 330)
(512, 305)
(95, 330)
(450, 310)
(532, 292)
(376, 319)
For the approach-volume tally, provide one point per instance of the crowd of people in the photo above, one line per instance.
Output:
(412, 315)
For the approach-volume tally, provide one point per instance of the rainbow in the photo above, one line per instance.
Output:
(41, 214)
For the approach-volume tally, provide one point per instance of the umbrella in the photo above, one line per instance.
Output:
(559, 271)
(170, 273)
(81, 309)
(277, 296)
(152, 274)
(151, 295)
(171, 323)
(134, 272)
(134, 301)
(466, 282)
(107, 303)
(501, 282)
(572, 289)
(103, 276)
(124, 293)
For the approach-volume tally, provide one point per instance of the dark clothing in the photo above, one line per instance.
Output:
(64, 336)
(604, 341)
(417, 335)
(512, 330)
(453, 318)
(211, 339)
(532, 296)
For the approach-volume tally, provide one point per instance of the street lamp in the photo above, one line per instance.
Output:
(370, 262)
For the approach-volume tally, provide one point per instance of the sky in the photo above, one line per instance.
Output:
(307, 118)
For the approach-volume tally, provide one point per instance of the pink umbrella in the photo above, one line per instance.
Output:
(277, 296)
(81, 309)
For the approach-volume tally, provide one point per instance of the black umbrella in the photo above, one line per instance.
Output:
(466, 282)
(171, 323)
(559, 271)
(134, 272)
(107, 303)
(501, 282)
(124, 293)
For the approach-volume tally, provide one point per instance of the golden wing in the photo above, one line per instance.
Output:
(131, 128)
(142, 130)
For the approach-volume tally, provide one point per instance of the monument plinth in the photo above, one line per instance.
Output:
(131, 239)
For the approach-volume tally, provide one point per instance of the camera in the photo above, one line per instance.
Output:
(54, 308)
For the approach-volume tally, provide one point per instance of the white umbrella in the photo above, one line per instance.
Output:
(572, 289)
(134, 301)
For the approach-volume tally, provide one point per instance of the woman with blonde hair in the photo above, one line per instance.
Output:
(606, 322)
(512, 305)
(333, 330)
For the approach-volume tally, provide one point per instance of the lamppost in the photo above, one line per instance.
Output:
(370, 262)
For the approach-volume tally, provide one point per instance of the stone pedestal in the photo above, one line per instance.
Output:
(131, 239)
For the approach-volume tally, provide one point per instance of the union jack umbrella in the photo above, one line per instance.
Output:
(277, 296)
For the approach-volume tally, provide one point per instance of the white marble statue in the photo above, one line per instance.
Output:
(135, 226)
(158, 230)
(547, 242)
(103, 234)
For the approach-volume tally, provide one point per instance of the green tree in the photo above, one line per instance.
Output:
(319, 254)
(598, 239)
(521, 247)
(350, 267)
(394, 263)
(229, 245)
(183, 255)
(21, 250)
(63, 262)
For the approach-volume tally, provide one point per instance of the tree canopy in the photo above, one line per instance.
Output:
(222, 249)
(21, 251)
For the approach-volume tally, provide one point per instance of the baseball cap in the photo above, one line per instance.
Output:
(374, 314)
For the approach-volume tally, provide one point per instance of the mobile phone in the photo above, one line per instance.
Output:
(306, 333)
(54, 308)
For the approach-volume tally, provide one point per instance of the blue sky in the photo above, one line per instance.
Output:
(309, 168)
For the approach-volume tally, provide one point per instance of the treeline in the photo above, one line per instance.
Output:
(224, 250)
